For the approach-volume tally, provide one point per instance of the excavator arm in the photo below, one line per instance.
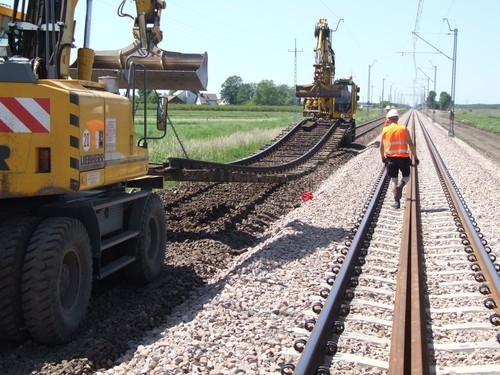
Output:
(325, 57)
(148, 13)
(158, 69)
(327, 98)
(43, 33)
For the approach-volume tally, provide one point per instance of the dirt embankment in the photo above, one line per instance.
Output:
(485, 142)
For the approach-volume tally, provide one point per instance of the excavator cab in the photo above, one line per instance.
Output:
(347, 102)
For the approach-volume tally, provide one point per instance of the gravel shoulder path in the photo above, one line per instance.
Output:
(486, 143)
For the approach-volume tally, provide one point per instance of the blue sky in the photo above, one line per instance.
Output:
(255, 40)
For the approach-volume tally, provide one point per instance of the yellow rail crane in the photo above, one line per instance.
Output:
(76, 200)
(326, 99)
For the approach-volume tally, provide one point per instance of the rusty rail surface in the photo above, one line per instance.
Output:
(409, 353)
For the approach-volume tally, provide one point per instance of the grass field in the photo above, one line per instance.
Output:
(217, 136)
(486, 119)
(221, 135)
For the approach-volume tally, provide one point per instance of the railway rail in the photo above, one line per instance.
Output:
(290, 157)
(417, 288)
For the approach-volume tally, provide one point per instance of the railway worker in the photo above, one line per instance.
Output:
(394, 144)
(387, 109)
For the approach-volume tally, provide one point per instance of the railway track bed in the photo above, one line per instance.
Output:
(247, 316)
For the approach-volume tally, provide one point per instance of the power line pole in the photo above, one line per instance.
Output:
(435, 75)
(368, 97)
(451, 130)
(295, 50)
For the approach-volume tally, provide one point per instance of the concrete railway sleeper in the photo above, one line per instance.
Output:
(414, 290)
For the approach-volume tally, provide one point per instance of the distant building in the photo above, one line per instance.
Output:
(210, 99)
(189, 97)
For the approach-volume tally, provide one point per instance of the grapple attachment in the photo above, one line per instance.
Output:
(318, 90)
(165, 70)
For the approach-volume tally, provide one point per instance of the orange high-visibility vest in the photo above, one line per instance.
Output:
(395, 142)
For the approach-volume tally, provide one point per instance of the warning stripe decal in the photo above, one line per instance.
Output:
(24, 115)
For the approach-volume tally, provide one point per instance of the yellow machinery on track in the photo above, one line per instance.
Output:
(326, 99)
(76, 200)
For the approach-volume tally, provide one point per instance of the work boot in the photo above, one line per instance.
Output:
(399, 192)
(396, 204)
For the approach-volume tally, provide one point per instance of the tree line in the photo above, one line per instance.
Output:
(443, 103)
(266, 92)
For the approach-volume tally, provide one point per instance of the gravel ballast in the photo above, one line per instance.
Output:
(245, 320)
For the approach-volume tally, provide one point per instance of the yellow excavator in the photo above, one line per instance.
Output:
(76, 200)
(326, 99)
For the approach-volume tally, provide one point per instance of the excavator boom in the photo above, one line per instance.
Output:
(165, 69)
(327, 98)
(49, 50)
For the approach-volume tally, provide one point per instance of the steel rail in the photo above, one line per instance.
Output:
(245, 170)
(272, 147)
(311, 357)
(419, 363)
(377, 124)
(400, 353)
(409, 346)
(176, 163)
(198, 170)
(486, 265)
(408, 341)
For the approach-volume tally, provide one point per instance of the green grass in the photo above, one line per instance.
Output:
(218, 136)
(486, 119)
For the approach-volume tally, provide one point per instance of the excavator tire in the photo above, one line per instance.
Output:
(57, 280)
(149, 247)
(15, 236)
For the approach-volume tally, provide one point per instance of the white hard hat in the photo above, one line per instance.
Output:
(387, 107)
(393, 113)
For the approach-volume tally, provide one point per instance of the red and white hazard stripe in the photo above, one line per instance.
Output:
(24, 115)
